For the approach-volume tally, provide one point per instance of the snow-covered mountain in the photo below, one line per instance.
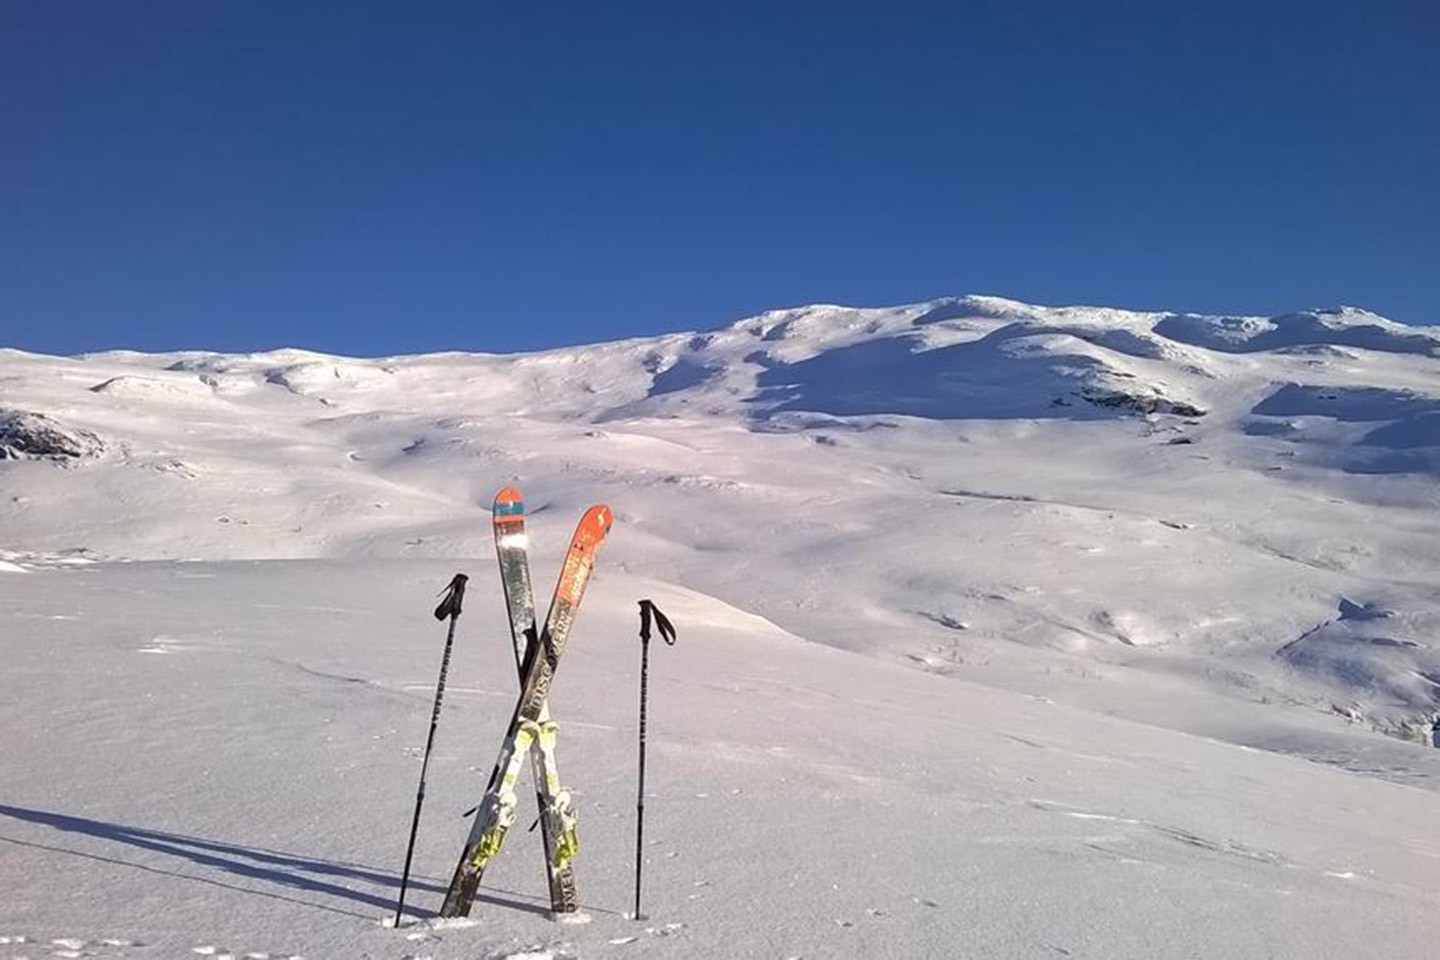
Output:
(1221, 526)
(976, 485)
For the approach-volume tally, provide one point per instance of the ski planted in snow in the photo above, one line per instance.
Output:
(558, 826)
(496, 812)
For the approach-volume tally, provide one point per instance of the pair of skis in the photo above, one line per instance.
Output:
(531, 731)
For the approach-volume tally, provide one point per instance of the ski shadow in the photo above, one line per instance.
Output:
(296, 873)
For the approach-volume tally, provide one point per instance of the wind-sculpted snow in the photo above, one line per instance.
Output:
(967, 308)
(1338, 425)
(1421, 431)
(320, 378)
(1013, 372)
(142, 387)
(967, 358)
(1380, 651)
(1346, 403)
(1345, 326)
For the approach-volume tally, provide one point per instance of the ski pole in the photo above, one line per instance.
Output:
(449, 607)
(667, 633)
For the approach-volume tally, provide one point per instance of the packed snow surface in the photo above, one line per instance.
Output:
(1006, 631)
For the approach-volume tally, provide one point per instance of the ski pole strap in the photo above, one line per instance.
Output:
(454, 595)
(662, 623)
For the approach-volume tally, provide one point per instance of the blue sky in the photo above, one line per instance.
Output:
(367, 178)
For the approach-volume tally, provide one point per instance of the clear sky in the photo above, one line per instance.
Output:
(374, 178)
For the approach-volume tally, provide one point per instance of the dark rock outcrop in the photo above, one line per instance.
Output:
(35, 436)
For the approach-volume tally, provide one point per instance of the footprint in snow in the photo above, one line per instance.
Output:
(224, 953)
(166, 645)
(69, 947)
(79, 947)
(669, 930)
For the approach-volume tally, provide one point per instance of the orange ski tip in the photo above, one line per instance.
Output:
(508, 494)
(596, 522)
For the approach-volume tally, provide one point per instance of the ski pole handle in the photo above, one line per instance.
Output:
(662, 623)
(454, 597)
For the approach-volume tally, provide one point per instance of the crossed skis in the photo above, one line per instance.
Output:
(531, 731)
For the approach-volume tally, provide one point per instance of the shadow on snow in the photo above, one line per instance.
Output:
(283, 869)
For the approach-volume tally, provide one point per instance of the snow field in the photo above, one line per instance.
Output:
(1005, 631)
(249, 791)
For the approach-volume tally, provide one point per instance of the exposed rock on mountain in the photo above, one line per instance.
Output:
(34, 435)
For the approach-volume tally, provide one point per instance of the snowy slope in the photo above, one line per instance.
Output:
(1220, 532)
(245, 789)
(989, 488)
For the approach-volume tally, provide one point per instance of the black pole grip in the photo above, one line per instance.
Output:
(454, 597)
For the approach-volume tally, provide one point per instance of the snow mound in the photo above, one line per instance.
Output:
(1345, 403)
(1420, 430)
(224, 375)
(818, 325)
(1338, 327)
(152, 388)
(1016, 371)
(951, 359)
(950, 309)
(1381, 654)
(316, 378)
(1328, 422)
